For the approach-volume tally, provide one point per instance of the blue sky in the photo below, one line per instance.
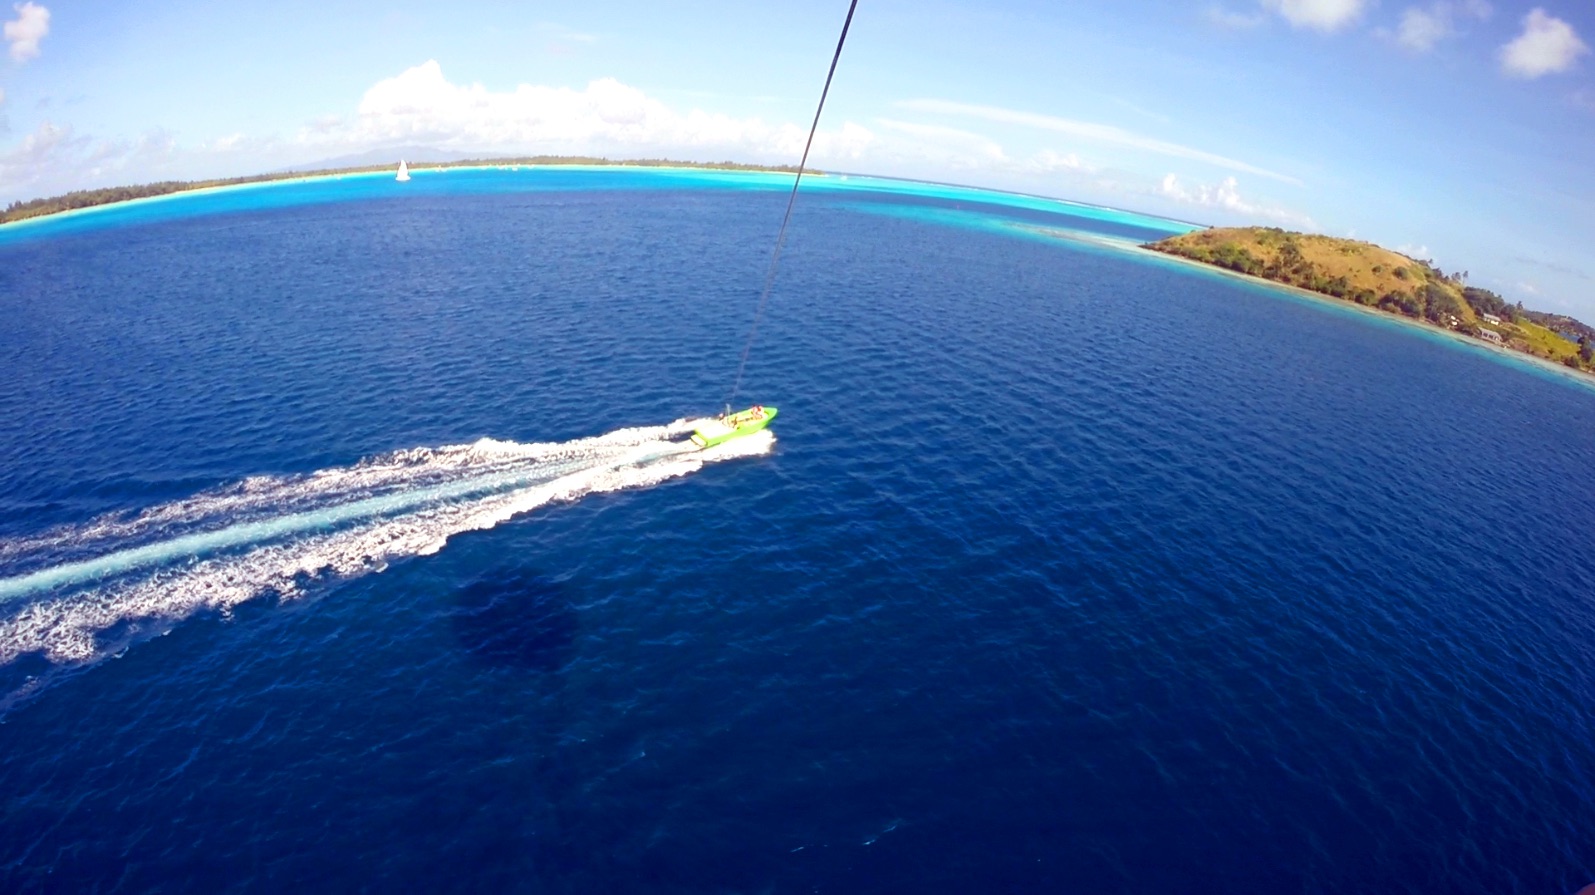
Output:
(1459, 130)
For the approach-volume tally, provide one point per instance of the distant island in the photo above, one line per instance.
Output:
(33, 208)
(1375, 277)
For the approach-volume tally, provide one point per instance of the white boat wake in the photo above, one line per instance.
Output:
(276, 534)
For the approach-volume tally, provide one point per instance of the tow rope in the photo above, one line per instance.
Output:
(780, 239)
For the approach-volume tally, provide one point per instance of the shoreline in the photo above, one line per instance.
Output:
(835, 177)
(1423, 326)
(389, 172)
(68, 213)
(829, 180)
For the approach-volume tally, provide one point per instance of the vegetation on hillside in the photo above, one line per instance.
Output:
(1377, 277)
(33, 208)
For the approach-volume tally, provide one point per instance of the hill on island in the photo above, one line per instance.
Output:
(1390, 281)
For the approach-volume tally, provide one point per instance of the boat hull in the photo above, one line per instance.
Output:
(736, 425)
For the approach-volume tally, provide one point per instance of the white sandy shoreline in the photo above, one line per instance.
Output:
(1578, 376)
(383, 173)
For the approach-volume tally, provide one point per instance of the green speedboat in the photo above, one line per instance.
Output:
(729, 425)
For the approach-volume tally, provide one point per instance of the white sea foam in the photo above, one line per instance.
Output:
(329, 525)
(278, 494)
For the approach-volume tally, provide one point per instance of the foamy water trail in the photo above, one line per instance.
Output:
(274, 495)
(276, 535)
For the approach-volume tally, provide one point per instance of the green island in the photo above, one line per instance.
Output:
(33, 208)
(1378, 278)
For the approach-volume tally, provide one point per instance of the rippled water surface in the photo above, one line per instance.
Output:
(346, 544)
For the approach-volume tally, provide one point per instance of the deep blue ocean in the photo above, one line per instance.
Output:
(345, 547)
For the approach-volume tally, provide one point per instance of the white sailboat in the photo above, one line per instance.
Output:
(404, 172)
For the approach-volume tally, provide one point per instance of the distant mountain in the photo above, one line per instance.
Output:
(411, 154)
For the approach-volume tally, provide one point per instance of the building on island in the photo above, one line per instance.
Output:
(1490, 335)
(1491, 318)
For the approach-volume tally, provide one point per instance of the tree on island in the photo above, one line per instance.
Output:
(1391, 282)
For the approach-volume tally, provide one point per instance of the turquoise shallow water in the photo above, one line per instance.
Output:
(1066, 569)
(533, 179)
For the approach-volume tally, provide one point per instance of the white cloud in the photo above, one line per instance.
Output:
(1416, 253)
(41, 152)
(1105, 133)
(30, 27)
(229, 143)
(1233, 21)
(930, 137)
(421, 105)
(956, 148)
(563, 41)
(1046, 161)
(323, 124)
(1319, 15)
(1547, 45)
(1421, 29)
(1528, 288)
(1226, 196)
(1159, 117)
(54, 159)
